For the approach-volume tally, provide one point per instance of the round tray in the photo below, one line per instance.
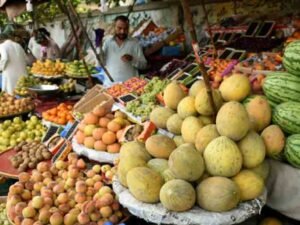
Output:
(157, 214)
(6, 168)
(44, 89)
(18, 114)
(98, 156)
(48, 77)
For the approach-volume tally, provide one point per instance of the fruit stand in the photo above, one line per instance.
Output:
(165, 147)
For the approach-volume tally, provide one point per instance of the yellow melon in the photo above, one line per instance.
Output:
(274, 140)
(186, 107)
(196, 87)
(206, 120)
(177, 195)
(202, 103)
(186, 163)
(160, 146)
(222, 157)
(173, 94)
(259, 112)
(174, 124)
(126, 165)
(233, 121)
(204, 136)
(250, 184)
(253, 150)
(168, 175)
(218, 194)
(134, 149)
(160, 115)
(189, 129)
(262, 169)
(178, 140)
(158, 165)
(235, 88)
(144, 184)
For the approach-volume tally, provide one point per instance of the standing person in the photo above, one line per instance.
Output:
(123, 54)
(12, 62)
(34, 47)
(49, 49)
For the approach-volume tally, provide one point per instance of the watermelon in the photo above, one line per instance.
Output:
(291, 58)
(292, 150)
(282, 87)
(287, 116)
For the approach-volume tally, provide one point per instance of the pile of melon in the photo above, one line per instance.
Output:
(213, 165)
(101, 130)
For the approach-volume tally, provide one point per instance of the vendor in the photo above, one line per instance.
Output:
(12, 61)
(49, 49)
(123, 54)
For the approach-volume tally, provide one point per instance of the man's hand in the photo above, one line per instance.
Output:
(127, 58)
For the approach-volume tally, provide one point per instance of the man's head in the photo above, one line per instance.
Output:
(42, 36)
(121, 27)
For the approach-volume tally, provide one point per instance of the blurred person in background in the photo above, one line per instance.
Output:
(123, 55)
(12, 57)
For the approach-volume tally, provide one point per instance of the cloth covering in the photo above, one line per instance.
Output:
(283, 186)
(13, 65)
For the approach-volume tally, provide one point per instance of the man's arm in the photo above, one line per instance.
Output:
(4, 58)
(139, 61)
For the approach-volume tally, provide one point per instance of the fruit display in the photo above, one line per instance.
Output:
(48, 68)
(13, 132)
(28, 81)
(29, 155)
(220, 157)
(68, 86)
(100, 130)
(76, 69)
(147, 101)
(10, 106)
(62, 114)
(219, 68)
(267, 61)
(3, 217)
(133, 85)
(63, 193)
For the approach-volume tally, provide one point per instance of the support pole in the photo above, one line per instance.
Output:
(79, 49)
(89, 40)
(195, 45)
(209, 29)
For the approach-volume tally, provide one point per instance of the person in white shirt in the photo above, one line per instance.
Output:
(123, 55)
(34, 47)
(12, 63)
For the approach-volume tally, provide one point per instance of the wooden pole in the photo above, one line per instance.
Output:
(79, 49)
(195, 45)
(89, 40)
(209, 29)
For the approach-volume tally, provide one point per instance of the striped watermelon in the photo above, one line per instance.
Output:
(291, 58)
(287, 116)
(292, 150)
(282, 87)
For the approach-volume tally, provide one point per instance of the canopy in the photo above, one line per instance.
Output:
(14, 8)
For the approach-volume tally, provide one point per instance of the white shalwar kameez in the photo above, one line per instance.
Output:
(12, 64)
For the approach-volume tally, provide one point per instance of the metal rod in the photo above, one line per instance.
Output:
(79, 49)
(89, 41)
(195, 45)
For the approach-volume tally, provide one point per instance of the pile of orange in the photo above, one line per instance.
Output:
(62, 114)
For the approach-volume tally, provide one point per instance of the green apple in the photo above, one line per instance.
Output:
(17, 120)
